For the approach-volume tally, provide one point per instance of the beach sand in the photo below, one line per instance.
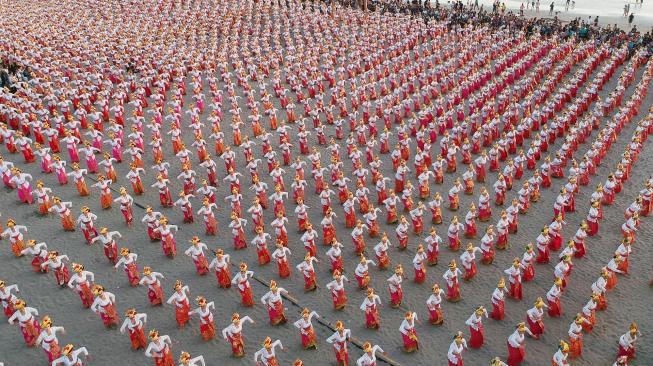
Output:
(630, 301)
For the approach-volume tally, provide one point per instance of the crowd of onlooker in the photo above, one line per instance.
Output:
(457, 13)
(11, 73)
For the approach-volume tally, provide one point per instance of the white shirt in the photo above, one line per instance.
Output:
(151, 279)
(598, 287)
(264, 355)
(560, 358)
(369, 304)
(271, 298)
(362, 268)
(132, 324)
(127, 260)
(498, 295)
(233, 329)
(45, 338)
(304, 325)
(394, 282)
(195, 361)
(80, 278)
(369, 358)
(23, 317)
(336, 286)
(434, 301)
(456, 349)
(450, 275)
(100, 302)
(196, 251)
(306, 267)
(156, 349)
(242, 279)
(407, 326)
(554, 293)
(516, 339)
(339, 340)
(535, 314)
(205, 314)
(179, 298)
(72, 359)
(627, 340)
(476, 321)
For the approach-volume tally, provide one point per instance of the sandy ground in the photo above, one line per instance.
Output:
(630, 301)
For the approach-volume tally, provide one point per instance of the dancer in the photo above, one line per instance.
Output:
(233, 334)
(134, 324)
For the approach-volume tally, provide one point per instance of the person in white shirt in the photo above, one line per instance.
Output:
(419, 265)
(159, 348)
(369, 357)
(468, 261)
(48, 340)
(394, 286)
(185, 359)
(181, 301)
(154, 291)
(220, 265)
(273, 300)
(71, 356)
(82, 282)
(514, 273)
(233, 334)
(451, 276)
(627, 342)
(408, 332)
(7, 298)
(203, 310)
(134, 323)
(196, 253)
(433, 305)
(516, 350)
(128, 261)
(266, 356)
(104, 306)
(553, 299)
(306, 330)
(13, 232)
(339, 340)
(370, 307)
(534, 318)
(106, 238)
(455, 353)
(475, 323)
(241, 281)
(561, 355)
(497, 362)
(26, 318)
(576, 336)
(337, 289)
(307, 268)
